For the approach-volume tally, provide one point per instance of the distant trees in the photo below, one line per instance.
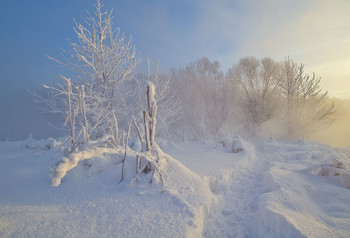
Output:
(252, 92)
(206, 96)
(305, 106)
(258, 86)
(280, 90)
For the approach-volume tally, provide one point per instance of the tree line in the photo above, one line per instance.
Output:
(252, 92)
(195, 102)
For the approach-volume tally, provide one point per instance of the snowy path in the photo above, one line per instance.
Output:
(237, 180)
(240, 202)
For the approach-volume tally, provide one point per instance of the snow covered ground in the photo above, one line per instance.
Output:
(268, 189)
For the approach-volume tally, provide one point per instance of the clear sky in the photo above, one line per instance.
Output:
(314, 32)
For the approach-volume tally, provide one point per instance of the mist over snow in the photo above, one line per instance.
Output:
(338, 134)
(174, 119)
(21, 116)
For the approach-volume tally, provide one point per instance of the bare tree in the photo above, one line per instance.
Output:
(305, 106)
(192, 122)
(206, 97)
(258, 82)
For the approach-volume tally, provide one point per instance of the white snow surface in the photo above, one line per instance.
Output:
(265, 189)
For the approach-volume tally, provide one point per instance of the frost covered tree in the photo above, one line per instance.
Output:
(149, 158)
(191, 123)
(258, 84)
(305, 106)
(206, 98)
(102, 59)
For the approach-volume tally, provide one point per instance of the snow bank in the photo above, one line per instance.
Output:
(231, 177)
(60, 168)
(90, 201)
(236, 144)
(337, 170)
(298, 200)
(43, 144)
(191, 192)
(266, 190)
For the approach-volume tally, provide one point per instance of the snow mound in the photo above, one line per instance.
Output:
(91, 201)
(43, 144)
(337, 170)
(236, 144)
(191, 191)
(60, 168)
(297, 201)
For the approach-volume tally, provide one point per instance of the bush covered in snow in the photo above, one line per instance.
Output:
(43, 144)
(236, 144)
(338, 170)
(147, 155)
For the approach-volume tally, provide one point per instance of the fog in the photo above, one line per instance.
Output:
(20, 116)
(338, 134)
(215, 27)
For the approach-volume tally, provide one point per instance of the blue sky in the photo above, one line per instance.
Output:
(176, 32)
(315, 32)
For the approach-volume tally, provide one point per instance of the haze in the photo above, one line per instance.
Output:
(316, 33)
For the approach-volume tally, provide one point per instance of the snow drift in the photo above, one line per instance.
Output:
(267, 189)
(90, 201)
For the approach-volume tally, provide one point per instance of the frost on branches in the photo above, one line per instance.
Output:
(102, 59)
(150, 158)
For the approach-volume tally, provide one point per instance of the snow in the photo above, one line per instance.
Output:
(265, 189)
(311, 204)
(152, 91)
